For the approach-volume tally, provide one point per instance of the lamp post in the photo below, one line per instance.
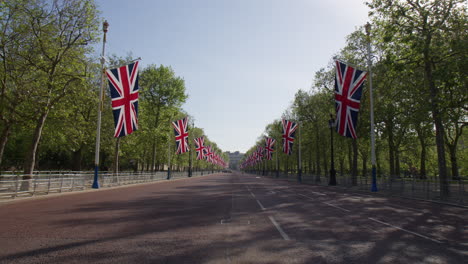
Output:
(372, 132)
(95, 185)
(190, 154)
(299, 165)
(331, 125)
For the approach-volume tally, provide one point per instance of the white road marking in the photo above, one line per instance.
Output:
(278, 227)
(341, 208)
(305, 196)
(224, 221)
(318, 193)
(260, 204)
(407, 231)
(253, 195)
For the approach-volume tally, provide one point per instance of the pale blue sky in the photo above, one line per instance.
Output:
(242, 60)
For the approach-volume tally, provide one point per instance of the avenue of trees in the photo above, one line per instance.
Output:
(50, 88)
(420, 95)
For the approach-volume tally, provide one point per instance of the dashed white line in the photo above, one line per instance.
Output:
(260, 204)
(253, 195)
(318, 193)
(278, 227)
(407, 231)
(341, 208)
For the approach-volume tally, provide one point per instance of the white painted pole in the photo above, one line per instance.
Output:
(105, 25)
(372, 129)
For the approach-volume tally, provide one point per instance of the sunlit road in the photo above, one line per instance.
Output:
(230, 218)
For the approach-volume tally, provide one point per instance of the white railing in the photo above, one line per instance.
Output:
(44, 182)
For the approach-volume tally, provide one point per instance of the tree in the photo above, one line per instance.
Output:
(60, 34)
(16, 74)
(422, 26)
(161, 91)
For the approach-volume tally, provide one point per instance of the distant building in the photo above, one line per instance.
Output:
(234, 159)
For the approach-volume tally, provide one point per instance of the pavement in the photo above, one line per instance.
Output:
(230, 218)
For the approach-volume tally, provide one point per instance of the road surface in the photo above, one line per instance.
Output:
(230, 218)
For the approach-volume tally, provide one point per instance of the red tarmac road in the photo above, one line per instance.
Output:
(230, 218)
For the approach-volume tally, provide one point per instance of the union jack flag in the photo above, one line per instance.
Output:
(260, 153)
(289, 129)
(209, 154)
(269, 147)
(123, 83)
(348, 91)
(181, 135)
(200, 148)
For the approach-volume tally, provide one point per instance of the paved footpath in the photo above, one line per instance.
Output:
(230, 218)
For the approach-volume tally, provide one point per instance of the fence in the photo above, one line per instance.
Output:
(45, 182)
(425, 189)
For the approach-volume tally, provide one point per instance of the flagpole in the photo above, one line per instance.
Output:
(95, 185)
(169, 158)
(299, 170)
(372, 132)
(190, 152)
(277, 164)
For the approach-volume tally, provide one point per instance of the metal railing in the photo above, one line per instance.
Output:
(44, 182)
(425, 189)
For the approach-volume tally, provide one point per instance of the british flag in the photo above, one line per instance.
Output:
(289, 129)
(200, 148)
(348, 91)
(209, 154)
(269, 147)
(181, 135)
(123, 83)
(260, 153)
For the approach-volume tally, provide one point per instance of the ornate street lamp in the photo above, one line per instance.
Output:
(95, 185)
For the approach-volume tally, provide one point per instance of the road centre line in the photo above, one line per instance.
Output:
(260, 204)
(329, 204)
(407, 231)
(278, 227)
(305, 196)
(341, 208)
(318, 193)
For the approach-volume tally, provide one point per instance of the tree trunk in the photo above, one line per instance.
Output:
(422, 164)
(153, 157)
(453, 161)
(3, 140)
(350, 155)
(364, 166)
(116, 156)
(77, 156)
(30, 160)
(436, 116)
(397, 163)
(391, 148)
(354, 169)
(341, 161)
(317, 152)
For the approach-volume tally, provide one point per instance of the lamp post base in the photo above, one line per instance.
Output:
(96, 176)
(332, 177)
(374, 180)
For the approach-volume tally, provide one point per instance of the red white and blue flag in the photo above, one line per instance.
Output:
(123, 83)
(200, 148)
(259, 153)
(269, 147)
(209, 154)
(289, 129)
(181, 135)
(348, 91)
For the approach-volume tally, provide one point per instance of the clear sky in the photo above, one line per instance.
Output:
(242, 60)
